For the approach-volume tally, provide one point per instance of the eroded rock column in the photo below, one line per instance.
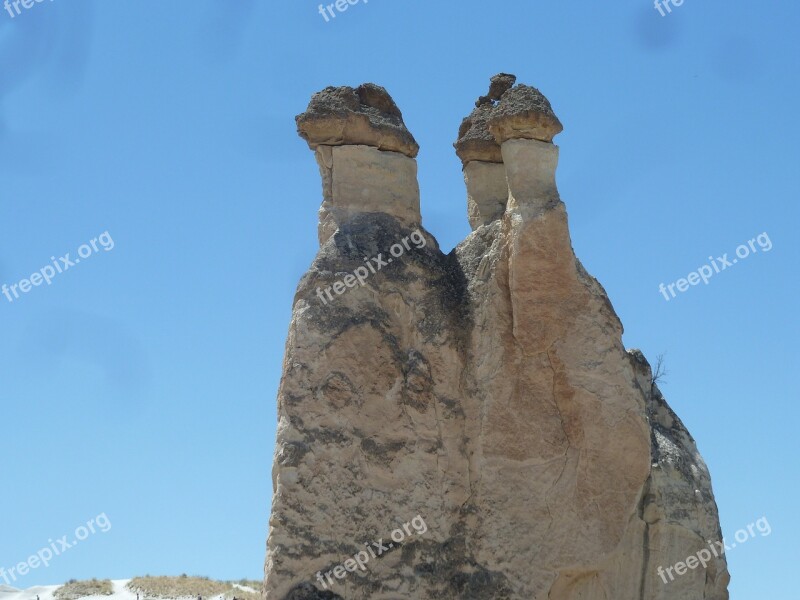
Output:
(371, 416)
(365, 153)
(523, 125)
(580, 454)
(487, 391)
(482, 159)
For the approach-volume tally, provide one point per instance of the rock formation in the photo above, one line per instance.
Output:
(485, 393)
(365, 156)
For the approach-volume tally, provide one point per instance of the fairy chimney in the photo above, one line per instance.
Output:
(470, 426)
(365, 153)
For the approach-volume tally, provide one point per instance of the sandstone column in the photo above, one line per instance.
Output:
(365, 155)
(486, 391)
(484, 173)
(371, 422)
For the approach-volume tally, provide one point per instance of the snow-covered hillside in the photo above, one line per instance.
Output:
(46, 592)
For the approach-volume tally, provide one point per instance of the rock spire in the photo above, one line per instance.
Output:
(469, 426)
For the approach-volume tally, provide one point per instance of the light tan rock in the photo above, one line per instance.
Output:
(486, 391)
(362, 179)
(487, 192)
(531, 174)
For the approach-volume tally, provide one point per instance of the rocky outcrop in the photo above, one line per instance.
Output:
(505, 113)
(365, 155)
(366, 115)
(523, 112)
(484, 393)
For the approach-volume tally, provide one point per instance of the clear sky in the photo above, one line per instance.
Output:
(141, 383)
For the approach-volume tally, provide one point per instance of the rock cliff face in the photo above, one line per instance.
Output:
(480, 403)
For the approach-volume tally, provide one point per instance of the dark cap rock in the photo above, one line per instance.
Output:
(498, 85)
(523, 112)
(474, 140)
(506, 112)
(365, 115)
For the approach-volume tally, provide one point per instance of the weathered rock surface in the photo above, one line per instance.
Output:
(498, 85)
(524, 112)
(486, 391)
(487, 192)
(474, 140)
(366, 115)
(363, 179)
(506, 112)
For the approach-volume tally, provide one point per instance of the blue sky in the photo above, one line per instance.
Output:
(141, 383)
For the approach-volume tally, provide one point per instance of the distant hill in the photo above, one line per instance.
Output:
(143, 588)
(7, 589)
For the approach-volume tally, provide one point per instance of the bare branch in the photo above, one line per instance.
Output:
(659, 372)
